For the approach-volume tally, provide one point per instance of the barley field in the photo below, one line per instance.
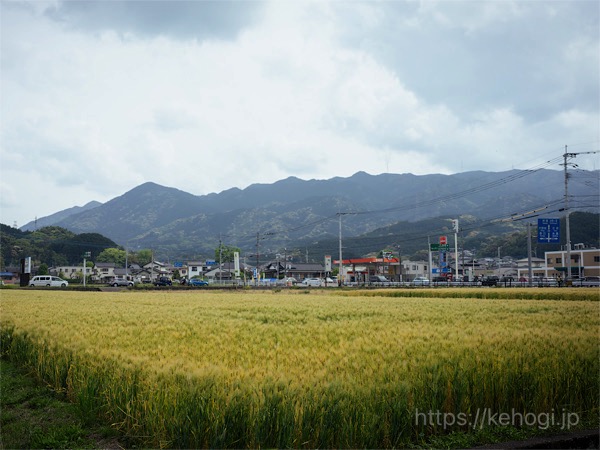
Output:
(298, 369)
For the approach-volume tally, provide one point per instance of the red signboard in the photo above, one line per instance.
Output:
(443, 240)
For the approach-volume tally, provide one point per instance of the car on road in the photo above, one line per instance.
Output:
(48, 281)
(379, 280)
(314, 282)
(329, 282)
(163, 281)
(121, 282)
(491, 280)
(587, 282)
(288, 281)
(545, 282)
(197, 282)
(420, 281)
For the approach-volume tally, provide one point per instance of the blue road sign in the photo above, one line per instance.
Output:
(548, 231)
(211, 262)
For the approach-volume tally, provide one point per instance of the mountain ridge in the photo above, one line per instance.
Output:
(292, 211)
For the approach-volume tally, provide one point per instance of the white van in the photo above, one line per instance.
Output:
(47, 280)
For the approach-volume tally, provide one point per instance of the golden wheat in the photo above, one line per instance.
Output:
(202, 369)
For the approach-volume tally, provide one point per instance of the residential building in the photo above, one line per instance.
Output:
(194, 269)
(584, 262)
(69, 272)
(103, 272)
(413, 269)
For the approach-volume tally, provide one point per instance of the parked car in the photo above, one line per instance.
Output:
(48, 281)
(197, 282)
(379, 280)
(163, 281)
(288, 281)
(121, 282)
(314, 282)
(545, 282)
(587, 282)
(491, 280)
(420, 281)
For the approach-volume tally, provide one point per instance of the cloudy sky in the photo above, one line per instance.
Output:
(98, 97)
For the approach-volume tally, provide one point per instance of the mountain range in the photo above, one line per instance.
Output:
(302, 214)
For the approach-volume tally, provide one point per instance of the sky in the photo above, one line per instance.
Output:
(98, 97)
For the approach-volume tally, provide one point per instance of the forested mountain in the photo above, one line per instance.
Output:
(51, 245)
(294, 213)
(58, 246)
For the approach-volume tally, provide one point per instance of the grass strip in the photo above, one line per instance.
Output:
(34, 416)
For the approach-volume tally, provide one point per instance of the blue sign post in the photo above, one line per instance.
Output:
(548, 231)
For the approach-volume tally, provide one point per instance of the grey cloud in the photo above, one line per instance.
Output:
(524, 63)
(179, 19)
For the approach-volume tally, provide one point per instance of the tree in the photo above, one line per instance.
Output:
(43, 269)
(142, 257)
(226, 253)
(113, 255)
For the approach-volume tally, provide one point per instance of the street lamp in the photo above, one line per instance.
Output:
(85, 255)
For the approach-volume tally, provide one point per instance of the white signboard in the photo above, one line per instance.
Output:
(328, 263)
(236, 263)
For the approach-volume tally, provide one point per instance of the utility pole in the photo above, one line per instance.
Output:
(567, 213)
(455, 226)
(399, 264)
(257, 256)
(567, 155)
(430, 259)
(341, 265)
(529, 265)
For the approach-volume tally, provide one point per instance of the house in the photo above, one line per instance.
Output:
(585, 262)
(274, 269)
(143, 276)
(103, 272)
(300, 271)
(177, 267)
(157, 269)
(414, 269)
(9, 276)
(194, 269)
(220, 275)
(69, 272)
(535, 263)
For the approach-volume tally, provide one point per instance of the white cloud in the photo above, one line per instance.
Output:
(310, 89)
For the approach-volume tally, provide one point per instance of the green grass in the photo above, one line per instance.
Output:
(34, 416)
